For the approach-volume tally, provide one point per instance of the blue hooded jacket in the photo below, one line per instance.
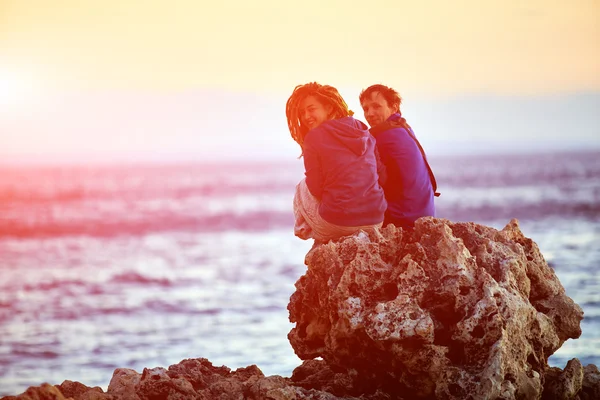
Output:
(408, 188)
(342, 172)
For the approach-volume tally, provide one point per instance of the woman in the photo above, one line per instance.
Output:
(341, 193)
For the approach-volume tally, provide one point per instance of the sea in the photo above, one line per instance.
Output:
(139, 265)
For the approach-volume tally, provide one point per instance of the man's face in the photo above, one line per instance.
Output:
(377, 109)
(313, 113)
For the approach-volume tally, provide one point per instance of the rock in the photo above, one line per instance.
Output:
(448, 311)
(590, 389)
(79, 391)
(264, 388)
(156, 383)
(217, 383)
(43, 392)
(123, 384)
(210, 381)
(564, 385)
(316, 374)
(574, 382)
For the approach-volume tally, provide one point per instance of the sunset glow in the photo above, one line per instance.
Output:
(13, 91)
(433, 47)
(157, 163)
(429, 51)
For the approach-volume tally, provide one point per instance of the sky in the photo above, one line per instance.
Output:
(153, 79)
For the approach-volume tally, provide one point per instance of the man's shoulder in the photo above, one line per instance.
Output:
(397, 142)
(393, 134)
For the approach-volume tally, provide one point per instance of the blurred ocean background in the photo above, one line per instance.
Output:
(137, 266)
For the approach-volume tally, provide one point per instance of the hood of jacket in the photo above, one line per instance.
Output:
(395, 117)
(395, 120)
(349, 131)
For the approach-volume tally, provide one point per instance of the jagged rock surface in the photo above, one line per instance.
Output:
(575, 382)
(191, 379)
(447, 311)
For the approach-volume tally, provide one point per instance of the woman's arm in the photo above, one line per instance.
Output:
(312, 168)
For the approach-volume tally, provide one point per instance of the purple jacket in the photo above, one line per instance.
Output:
(342, 172)
(408, 188)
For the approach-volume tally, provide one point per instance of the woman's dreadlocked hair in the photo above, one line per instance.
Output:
(325, 94)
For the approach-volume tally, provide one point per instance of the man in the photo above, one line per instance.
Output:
(410, 185)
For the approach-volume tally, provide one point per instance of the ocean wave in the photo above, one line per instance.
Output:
(112, 201)
(58, 284)
(137, 278)
(253, 221)
(270, 220)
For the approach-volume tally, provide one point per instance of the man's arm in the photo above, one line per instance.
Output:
(381, 170)
(401, 156)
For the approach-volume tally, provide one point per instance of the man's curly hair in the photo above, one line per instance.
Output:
(390, 95)
(325, 94)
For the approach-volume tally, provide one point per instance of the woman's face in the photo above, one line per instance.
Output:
(313, 113)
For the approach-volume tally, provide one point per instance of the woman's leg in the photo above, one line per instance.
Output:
(302, 201)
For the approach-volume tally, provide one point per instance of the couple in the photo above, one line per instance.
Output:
(356, 179)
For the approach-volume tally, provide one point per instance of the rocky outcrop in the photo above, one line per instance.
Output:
(190, 379)
(574, 382)
(313, 380)
(447, 311)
